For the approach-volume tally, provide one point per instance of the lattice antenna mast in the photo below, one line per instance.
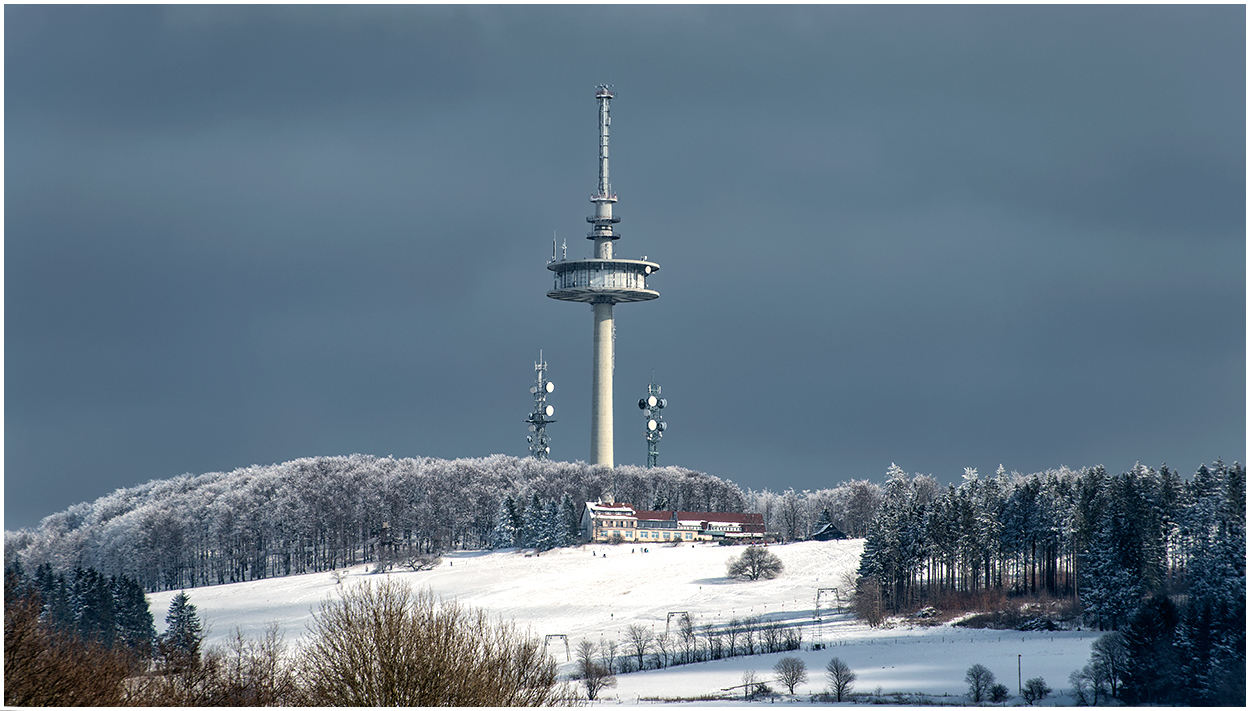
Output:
(652, 405)
(540, 444)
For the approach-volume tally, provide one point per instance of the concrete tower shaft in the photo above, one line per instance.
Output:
(601, 451)
(602, 281)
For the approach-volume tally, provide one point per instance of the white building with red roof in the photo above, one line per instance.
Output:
(622, 523)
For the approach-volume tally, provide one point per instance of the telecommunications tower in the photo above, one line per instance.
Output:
(540, 446)
(602, 281)
(652, 406)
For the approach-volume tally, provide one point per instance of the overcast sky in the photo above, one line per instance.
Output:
(944, 237)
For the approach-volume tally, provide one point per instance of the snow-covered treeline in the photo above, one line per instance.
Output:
(1104, 541)
(795, 515)
(321, 513)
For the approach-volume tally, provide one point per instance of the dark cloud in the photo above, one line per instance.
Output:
(941, 236)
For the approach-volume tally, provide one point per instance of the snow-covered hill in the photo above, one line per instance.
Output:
(596, 592)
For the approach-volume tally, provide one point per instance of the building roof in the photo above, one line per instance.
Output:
(743, 519)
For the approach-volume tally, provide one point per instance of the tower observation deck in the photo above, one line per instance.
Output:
(602, 281)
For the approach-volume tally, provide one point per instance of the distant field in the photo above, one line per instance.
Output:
(597, 591)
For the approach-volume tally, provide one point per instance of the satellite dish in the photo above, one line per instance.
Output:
(651, 425)
(663, 403)
(663, 426)
(550, 411)
(533, 428)
(529, 439)
(651, 401)
(548, 450)
(642, 404)
(646, 270)
(533, 389)
(551, 387)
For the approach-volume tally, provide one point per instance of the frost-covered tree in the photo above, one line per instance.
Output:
(534, 530)
(571, 520)
(1124, 561)
(504, 535)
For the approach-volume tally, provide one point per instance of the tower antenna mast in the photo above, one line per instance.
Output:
(652, 406)
(540, 444)
(602, 281)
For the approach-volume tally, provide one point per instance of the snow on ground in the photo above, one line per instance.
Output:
(596, 591)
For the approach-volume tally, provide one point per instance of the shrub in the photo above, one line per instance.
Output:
(242, 673)
(384, 646)
(999, 693)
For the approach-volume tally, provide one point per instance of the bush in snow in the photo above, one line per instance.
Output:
(384, 645)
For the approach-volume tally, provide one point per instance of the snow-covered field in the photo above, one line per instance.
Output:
(597, 591)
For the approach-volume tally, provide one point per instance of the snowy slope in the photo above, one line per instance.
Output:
(595, 592)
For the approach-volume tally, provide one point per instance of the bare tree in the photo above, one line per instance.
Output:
(689, 640)
(595, 675)
(841, 678)
(750, 684)
(423, 561)
(1035, 689)
(715, 642)
(47, 667)
(755, 562)
(663, 650)
(242, 673)
(607, 652)
(1110, 660)
(734, 632)
(383, 645)
(869, 602)
(639, 639)
(750, 632)
(791, 671)
(979, 680)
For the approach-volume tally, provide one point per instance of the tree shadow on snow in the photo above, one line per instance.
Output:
(713, 581)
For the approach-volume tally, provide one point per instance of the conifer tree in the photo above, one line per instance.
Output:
(536, 532)
(179, 645)
(1151, 674)
(135, 627)
(572, 520)
(504, 535)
